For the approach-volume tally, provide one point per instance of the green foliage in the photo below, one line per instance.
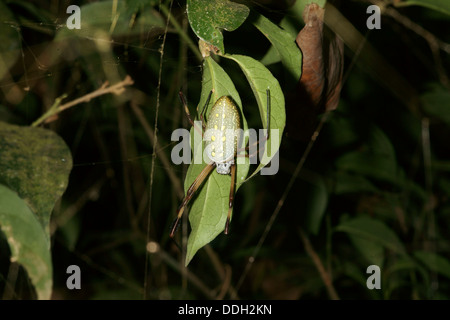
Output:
(284, 44)
(260, 80)
(35, 166)
(439, 5)
(209, 17)
(436, 102)
(27, 240)
(373, 231)
(9, 42)
(372, 190)
(209, 211)
(112, 18)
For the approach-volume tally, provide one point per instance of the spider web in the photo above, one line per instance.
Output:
(121, 146)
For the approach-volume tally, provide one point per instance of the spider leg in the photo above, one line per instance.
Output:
(231, 198)
(188, 114)
(204, 109)
(190, 192)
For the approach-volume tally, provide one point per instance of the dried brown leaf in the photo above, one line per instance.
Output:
(319, 87)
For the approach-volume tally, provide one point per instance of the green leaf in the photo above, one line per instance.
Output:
(270, 57)
(372, 230)
(209, 209)
(35, 163)
(27, 240)
(261, 79)
(9, 40)
(209, 17)
(438, 5)
(284, 43)
(434, 262)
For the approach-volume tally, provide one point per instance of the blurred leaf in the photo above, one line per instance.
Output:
(103, 19)
(36, 163)
(261, 79)
(284, 43)
(9, 40)
(372, 251)
(209, 210)
(71, 231)
(317, 201)
(376, 159)
(209, 17)
(434, 262)
(370, 60)
(27, 239)
(353, 271)
(352, 183)
(372, 230)
(341, 132)
(439, 5)
(441, 165)
(406, 264)
(436, 103)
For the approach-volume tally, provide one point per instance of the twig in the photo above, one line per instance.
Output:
(183, 35)
(326, 278)
(155, 142)
(154, 248)
(280, 204)
(224, 273)
(56, 108)
(88, 195)
(125, 145)
(371, 60)
(433, 42)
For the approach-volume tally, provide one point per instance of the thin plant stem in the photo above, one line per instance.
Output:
(282, 200)
(182, 33)
(155, 142)
(326, 277)
(56, 108)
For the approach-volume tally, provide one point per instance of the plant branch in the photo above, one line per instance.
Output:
(280, 203)
(433, 42)
(56, 108)
(154, 248)
(326, 277)
(183, 35)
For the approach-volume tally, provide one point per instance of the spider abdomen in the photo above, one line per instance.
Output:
(221, 133)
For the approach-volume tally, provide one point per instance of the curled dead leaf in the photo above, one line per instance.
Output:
(319, 87)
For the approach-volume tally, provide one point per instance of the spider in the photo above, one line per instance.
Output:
(222, 152)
